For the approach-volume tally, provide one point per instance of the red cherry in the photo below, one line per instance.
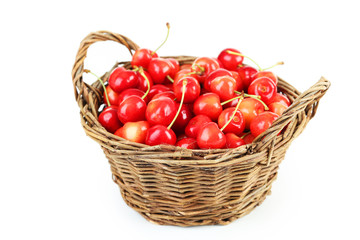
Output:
(239, 82)
(142, 57)
(278, 97)
(248, 138)
(189, 143)
(175, 66)
(182, 119)
(184, 73)
(267, 74)
(262, 122)
(168, 94)
(155, 89)
(216, 73)
(161, 111)
(119, 80)
(109, 119)
(185, 66)
(160, 134)
(204, 66)
(210, 137)
(131, 92)
(224, 87)
(246, 73)
(250, 108)
(233, 141)
(159, 68)
(134, 131)
(194, 125)
(208, 104)
(230, 61)
(277, 107)
(143, 85)
(263, 87)
(236, 125)
(192, 89)
(112, 95)
(181, 136)
(132, 109)
(233, 103)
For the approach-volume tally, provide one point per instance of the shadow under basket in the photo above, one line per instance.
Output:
(169, 185)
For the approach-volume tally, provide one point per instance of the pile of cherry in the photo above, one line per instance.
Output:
(211, 103)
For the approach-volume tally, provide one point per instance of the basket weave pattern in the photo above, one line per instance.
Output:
(174, 186)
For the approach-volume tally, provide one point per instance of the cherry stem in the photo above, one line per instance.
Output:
(279, 63)
(170, 79)
(242, 55)
(181, 103)
(232, 99)
(202, 69)
(141, 71)
(167, 35)
(190, 73)
(242, 137)
(103, 85)
(233, 115)
(248, 95)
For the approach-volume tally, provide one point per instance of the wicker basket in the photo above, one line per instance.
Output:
(174, 186)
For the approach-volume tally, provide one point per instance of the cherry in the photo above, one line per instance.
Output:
(160, 111)
(132, 109)
(175, 66)
(208, 104)
(168, 94)
(143, 83)
(189, 143)
(263, 87)
(233, 141)
(262, 122)
(142, 57)
(248, 138)
(155, 89)
(159, 68)
(194, 125)
(134, 131)
(112, 96)
(267, 74)
(239, 82)
(216, 73)
(211, 137)
(120, 80)
(203, 66)
(109, 119)
(278, 97)
(160, 134)
(277, 107)
(236, 125)
(182, 119)
(224, 87)
(230, 61)
(246, 73)
(131, 92)
(192, 90)
(250, 108)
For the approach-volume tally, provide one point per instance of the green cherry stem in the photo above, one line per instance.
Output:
(167, 35)
(242, 137)
(103, 85)
(181, 103)
(170, 79)
(233, 115)
(277, 64)
(242, 55)
(141, 71)
(227, 101)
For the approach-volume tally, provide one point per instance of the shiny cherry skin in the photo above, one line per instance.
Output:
(159, 134)
(188, 143)
(184, 73)
(250, 108)
(119, 80)
(175, 67)
(112, 95)
(142, 57)
(210, 137)
(132, 109)
(277, 107)
(262, 122)
(155, 89)
(194, 125)
(224, 87)
(230, 61)
(233, 141)
(134, 131)
(248, 138)
(192, 89)
(169, 94)
(109, 119)
(233, 103)
(278, 97)
(263, 87)
(161, 111)
(239, 82)
(204, 66)
(216, 73)
(159, 68)
(208, 104)
(236, 125)
(267, 74)
(142, 84)
(182, 119)
(131, 92)
(246, 73)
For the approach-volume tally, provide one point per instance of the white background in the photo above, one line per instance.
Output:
(55, 182)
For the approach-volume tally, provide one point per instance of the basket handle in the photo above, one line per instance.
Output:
(81, 88)
(306, 102)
